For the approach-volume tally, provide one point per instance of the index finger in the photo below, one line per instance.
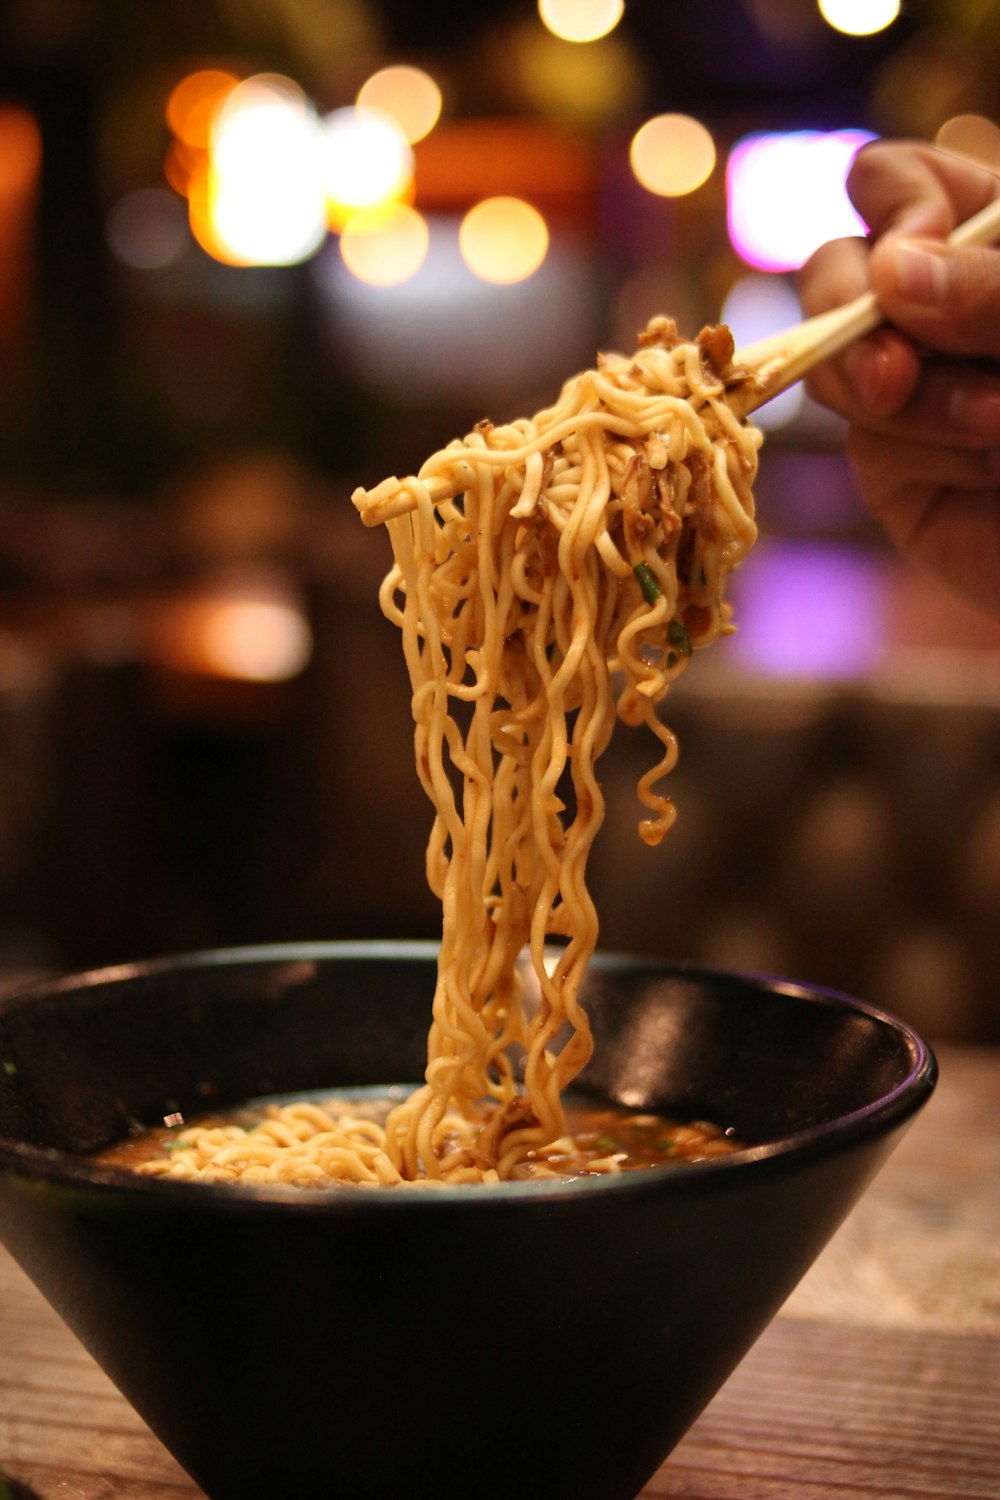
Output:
(917, 190)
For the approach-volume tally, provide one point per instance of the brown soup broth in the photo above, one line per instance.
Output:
(599, 1137)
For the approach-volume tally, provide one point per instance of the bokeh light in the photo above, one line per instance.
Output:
(192, 105)
(859, 17)
(20, 150)
(264, 194)
(254, 640)
(584, 85)
(454, 337)
(972, 136)
(503, 239)
(840, 592)
(580, 20)
(20, 178)
(182, 164)
(367, 161)
(148, 229)
(757, 306)
(672, 155)
(786, 194)
(233, 633)
(408, 95)
(385, 247)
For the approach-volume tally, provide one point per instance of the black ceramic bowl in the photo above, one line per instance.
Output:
(554, 1340)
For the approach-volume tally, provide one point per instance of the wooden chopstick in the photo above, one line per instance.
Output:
(777, 362)
(766, 368)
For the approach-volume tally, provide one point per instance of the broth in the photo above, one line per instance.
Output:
(599, 1139)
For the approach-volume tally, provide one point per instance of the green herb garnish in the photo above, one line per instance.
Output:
(10, 1068)
(677, 636)
(647, 582)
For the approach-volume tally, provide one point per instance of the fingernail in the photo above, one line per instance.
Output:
(976, 410)
(921, 271)
(866, 366)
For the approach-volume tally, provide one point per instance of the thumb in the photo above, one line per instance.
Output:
(945, 298)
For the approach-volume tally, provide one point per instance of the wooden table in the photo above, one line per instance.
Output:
(880, 1377)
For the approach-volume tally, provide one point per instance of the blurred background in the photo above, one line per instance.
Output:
(256, 252)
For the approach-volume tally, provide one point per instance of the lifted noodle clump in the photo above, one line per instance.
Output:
(550, 575)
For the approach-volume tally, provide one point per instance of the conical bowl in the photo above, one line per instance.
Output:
(543, 1339)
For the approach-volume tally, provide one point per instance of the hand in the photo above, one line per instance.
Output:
(921, 395)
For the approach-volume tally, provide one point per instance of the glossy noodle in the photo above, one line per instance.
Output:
(551, 577)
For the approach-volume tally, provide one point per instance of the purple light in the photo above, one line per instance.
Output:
(807, 610)
(786, 195)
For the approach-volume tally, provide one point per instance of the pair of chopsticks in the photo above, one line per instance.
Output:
(775, 363)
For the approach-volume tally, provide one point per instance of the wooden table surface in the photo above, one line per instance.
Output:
(879, 1378)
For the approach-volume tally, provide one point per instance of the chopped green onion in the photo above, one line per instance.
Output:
(647, 582)
(9, 1068)
(678, 636)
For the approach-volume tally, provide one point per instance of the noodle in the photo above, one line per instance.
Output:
(549, 576)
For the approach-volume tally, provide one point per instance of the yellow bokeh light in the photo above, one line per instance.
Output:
(587, 85)
(972, 136)
(580, 20)
(859, 17)
(367, 161)
(385, 247)
(193, 103)
(503, 239)
(408, 95)
(672, 155)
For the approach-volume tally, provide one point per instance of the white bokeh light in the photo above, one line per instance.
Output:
(786, 195)
(859, 17)
(580, 20)
(367, 159)
(265, 186)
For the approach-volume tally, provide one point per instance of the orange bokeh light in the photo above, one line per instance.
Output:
(193, 103)
(200, 213)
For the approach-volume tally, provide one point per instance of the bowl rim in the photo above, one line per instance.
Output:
(56, 1167)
